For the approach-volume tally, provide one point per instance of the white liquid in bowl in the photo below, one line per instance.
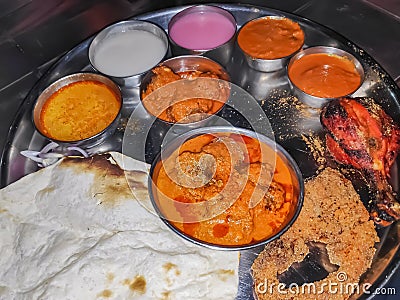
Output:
(129, 53)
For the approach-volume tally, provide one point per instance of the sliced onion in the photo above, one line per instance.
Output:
(80, 150)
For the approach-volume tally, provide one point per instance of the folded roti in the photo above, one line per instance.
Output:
(75, 230)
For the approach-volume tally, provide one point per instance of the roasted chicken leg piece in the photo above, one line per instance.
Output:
(359, 133)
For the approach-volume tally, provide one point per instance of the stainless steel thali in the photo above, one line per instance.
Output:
(267, 88)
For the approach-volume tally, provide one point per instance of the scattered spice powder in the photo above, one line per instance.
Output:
(317, 149)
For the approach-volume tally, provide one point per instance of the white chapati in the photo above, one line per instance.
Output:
(75, 231)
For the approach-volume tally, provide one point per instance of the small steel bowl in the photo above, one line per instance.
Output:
(63, 82)
(272, 151)
(134, 79)
(187, 63)
(267, 65)
(222, 53)
(314, 101)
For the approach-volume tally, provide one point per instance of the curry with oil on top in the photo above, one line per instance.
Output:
(228, 189)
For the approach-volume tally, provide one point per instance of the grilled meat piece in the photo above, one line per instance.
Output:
(361, 134)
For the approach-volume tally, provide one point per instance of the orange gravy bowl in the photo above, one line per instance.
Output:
(78, 111)
(270, 37)
(325, 75)
(225, 189)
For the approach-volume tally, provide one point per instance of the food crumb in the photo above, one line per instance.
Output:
(317, 149)
(289, 117)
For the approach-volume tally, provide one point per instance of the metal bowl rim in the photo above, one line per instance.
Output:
(81, 76)
(266, 60)
(200, 57)
(202, 8)
(279, 150)
(326, 50)
(164, 39)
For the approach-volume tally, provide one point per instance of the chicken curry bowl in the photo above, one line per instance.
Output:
(226, 188)
(185, 89)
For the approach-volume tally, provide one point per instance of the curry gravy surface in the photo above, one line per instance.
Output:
(242, 221)
(325, 75)
(78, 111)
(176, 103)
(270, 38)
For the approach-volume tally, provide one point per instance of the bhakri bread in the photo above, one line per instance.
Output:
(74, 231)
(334, 215)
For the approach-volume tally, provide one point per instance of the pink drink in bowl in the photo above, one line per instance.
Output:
(202, 28)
